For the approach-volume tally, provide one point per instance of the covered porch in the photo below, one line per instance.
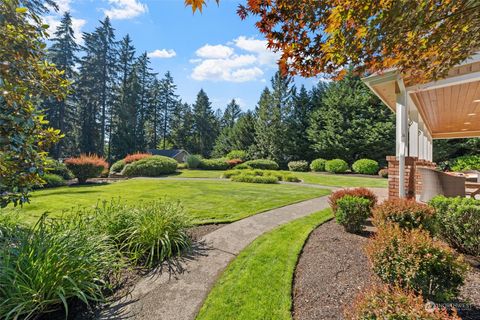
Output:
(443, 109)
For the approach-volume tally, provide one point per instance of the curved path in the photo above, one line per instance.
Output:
(179, 293)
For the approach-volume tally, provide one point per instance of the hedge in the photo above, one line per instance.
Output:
(263, 164)
(153, 166)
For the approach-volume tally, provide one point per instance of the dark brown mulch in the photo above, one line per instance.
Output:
(197, 232)
(332, 269)
(469, 307)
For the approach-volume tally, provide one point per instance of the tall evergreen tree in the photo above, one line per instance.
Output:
(224, 142)
(61, 113)
(181, 127)
(168, 101)
(231, 114)
(352, 123)
(205, 125)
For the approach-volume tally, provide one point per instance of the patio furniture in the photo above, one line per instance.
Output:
(474, 188)
(436, 183)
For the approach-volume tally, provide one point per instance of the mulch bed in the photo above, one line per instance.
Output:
(197, 232)
(333, 269)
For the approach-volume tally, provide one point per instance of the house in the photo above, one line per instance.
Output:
(178, 154)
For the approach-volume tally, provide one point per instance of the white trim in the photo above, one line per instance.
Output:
(465, 78)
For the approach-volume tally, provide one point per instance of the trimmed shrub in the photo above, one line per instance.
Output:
(153, 166)
(59, 168)
(242, 166)
(117, 167)
(390, 302)
(365, 166)
(234, 162)
(383, 173)
(318, 165)
(263, 164)
(301, 165)
(255, 179)
(408, 214)
(465, 163)
(135, 157)
(290, 178)
(352, 213)
(146, 233)
(181, 166)
(413, 260)
(230, 173)
(458, 222)
(53, 180)
(193, 161)
(357, 192)
(86, 166)
(281, 176)
(336, 166)
(213, 164)
(237, 154)
(56, 260)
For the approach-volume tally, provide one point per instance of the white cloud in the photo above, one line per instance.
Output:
(63, 5)
(77, 25)
(223, 62)
(214, 52)
(162, 53)
(125, 9)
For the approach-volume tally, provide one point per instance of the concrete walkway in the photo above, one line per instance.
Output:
(177, 292)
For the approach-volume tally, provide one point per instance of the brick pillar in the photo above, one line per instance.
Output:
(413, 182)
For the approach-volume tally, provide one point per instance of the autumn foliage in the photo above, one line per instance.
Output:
(135, 157)
(86, 166)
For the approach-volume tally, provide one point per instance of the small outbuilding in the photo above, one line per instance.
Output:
(178, 154)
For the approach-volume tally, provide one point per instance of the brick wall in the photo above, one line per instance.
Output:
(413, 183)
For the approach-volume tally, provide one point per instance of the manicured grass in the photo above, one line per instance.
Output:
(341, 180)
(206, 201)
(198, 173)
(258, 283)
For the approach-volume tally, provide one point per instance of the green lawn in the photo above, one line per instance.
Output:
(206, 201)
(258, 283)
(332, 180)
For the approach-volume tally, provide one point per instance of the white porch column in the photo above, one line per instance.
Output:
(429, 148)
(421, 139)
(401, 137)
(413, 148)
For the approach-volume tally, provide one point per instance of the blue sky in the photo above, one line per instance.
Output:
(215, 50)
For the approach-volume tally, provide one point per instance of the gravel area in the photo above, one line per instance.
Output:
(331, 270)
(469, 308)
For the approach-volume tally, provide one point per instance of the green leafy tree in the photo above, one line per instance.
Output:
(352, 123)
(205, 125)
(25, 79)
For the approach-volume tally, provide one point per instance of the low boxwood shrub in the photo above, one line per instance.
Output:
(117, 167)
(242, 166)
(86, 166)
(281, 176)
(318, 165)
(136, 156)
(357, 192)
(458, 222)
(414, 260)
(365, 166)
(392, 302)
(263, 164)
(336, 166)
(146, 233)
(53, 180)
(59, 168)
(193, 161)
(383, 173)
(214, 164)
(465, 163)
(237, 154)
(352, 213)
(47, 265)
(230, 173)
(408, 214)
(290, 178)
(254, 179)
(300, 165)
(153, 166)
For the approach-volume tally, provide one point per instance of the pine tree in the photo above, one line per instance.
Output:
(243, 133)
(231, 114)
(205, 125)
(61, 113)
(181, 127)
(168, 101)
(224, 142)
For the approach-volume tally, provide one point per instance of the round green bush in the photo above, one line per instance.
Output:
(263, 164)
(117, 167)
(53, 180)
(193, 161)
(318, 165)
(213, 164)
(365, 166)
(300, 165)
(237, 154)
(59, 168)
(336, 166)
(352, 212)
(150, 167)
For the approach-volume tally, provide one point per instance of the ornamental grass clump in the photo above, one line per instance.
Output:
(147, 233)
(407, 213)
(458, 222)
(44, 267)
(86, 167)
(357, 192)
(391, 302)
(413, 260)
(352, 213)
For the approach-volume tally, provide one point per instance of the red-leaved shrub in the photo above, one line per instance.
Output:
(136, 156)
(233, 162)
(86, 166)
(388, 302)
(407, 213)
(357, 192)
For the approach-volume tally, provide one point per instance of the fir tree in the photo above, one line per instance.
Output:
(231, 114)
(168, 100)
(205, 125)
(181, 127)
